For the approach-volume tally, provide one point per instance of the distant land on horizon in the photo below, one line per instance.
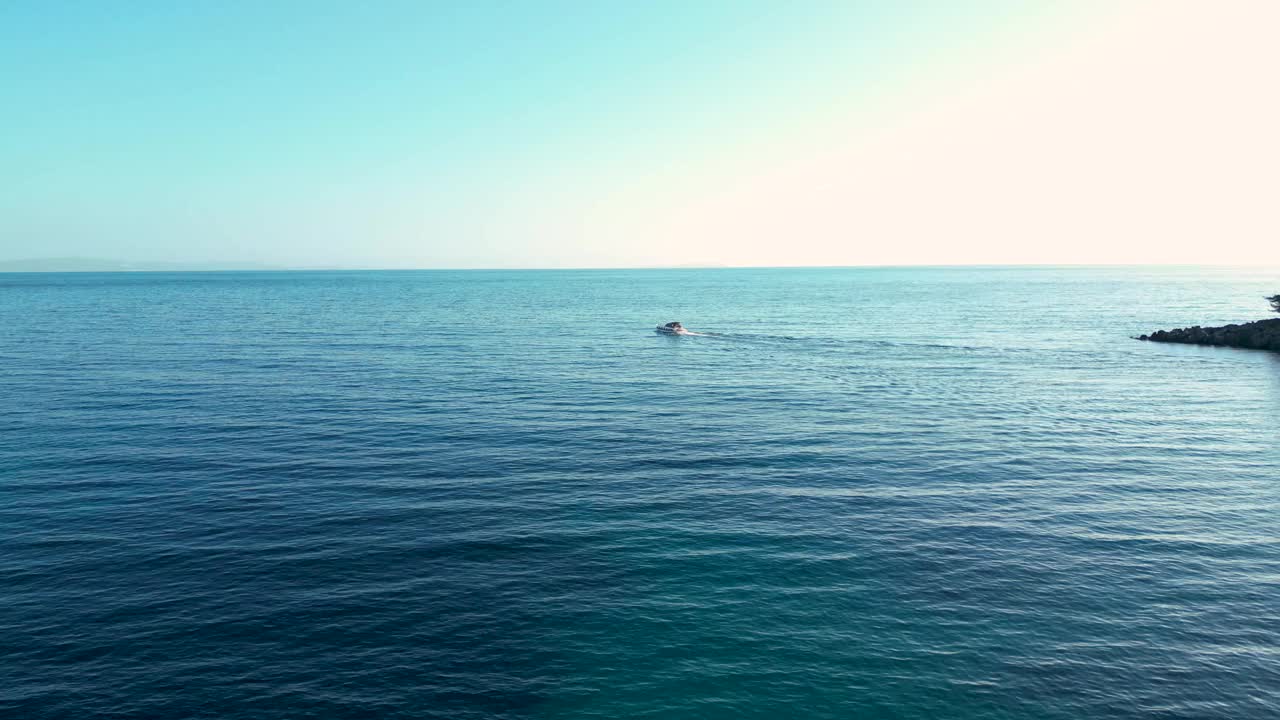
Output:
(79, 264)
(82, 264)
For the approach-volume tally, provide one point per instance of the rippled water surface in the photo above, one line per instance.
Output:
(874, 493)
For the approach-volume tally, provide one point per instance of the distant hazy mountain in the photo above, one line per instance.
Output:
(75, 264)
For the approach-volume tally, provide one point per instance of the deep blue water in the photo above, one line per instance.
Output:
(877, 493)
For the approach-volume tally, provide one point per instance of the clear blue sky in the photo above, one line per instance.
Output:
(462, 134)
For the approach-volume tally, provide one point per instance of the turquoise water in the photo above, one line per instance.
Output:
(873, 493)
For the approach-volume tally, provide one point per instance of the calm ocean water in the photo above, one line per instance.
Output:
(875, 493)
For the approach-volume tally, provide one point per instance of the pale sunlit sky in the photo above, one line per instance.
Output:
(601, 134)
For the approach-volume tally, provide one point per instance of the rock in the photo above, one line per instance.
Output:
(1260, 335)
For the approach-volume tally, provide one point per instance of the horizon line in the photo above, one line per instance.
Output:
(598, 268)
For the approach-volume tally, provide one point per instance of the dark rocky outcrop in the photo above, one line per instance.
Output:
(1260, 335)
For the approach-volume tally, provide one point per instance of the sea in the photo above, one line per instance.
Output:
(862, 493)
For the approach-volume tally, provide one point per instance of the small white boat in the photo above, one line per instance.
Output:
(671, 328)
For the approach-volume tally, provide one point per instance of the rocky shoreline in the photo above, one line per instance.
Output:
(1260, 335)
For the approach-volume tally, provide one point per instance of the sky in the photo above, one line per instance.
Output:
(614, 134)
